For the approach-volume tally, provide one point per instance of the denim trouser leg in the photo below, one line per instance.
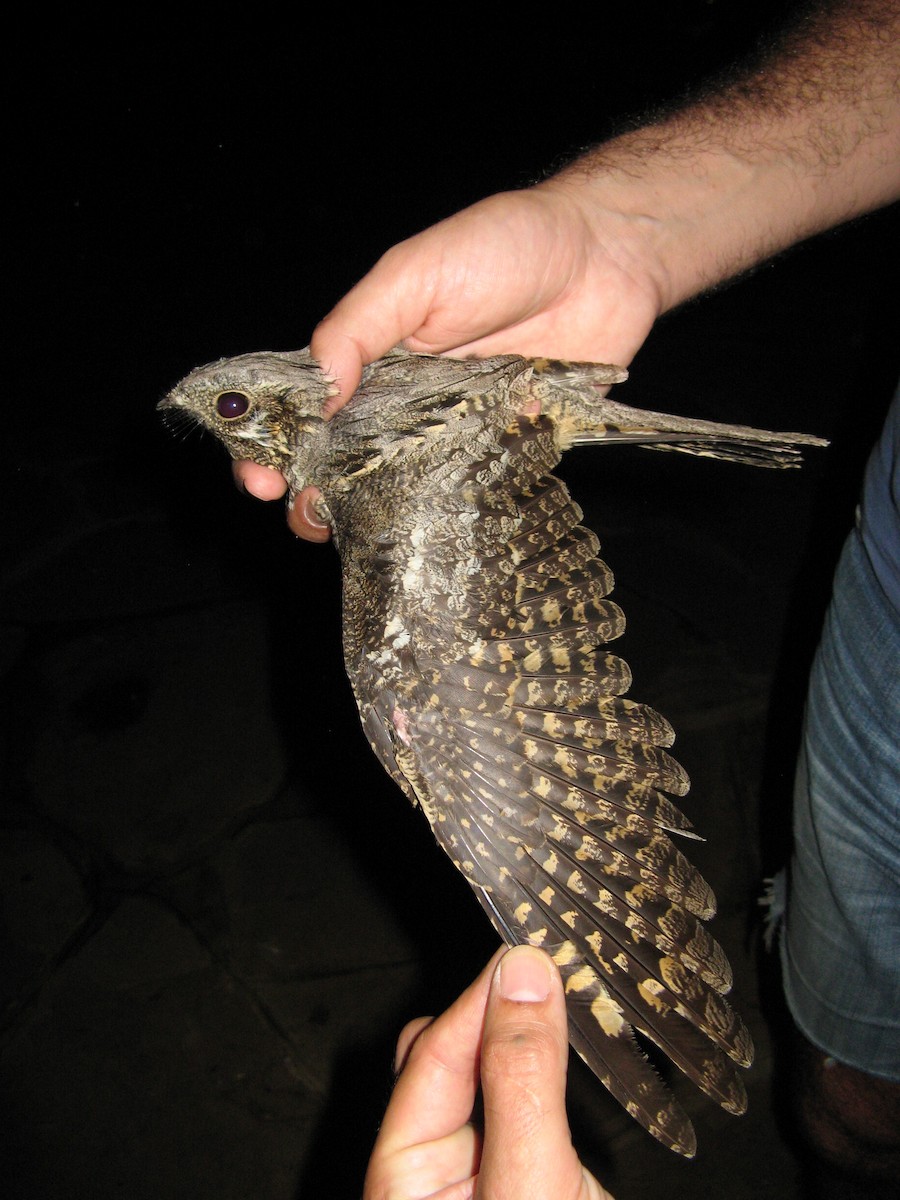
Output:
(841, 939)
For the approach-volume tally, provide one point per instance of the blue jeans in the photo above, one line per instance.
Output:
(840, 942)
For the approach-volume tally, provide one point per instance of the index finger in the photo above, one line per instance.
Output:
(342, 358)
(364, 325)
(388, 305)
(436, 1090)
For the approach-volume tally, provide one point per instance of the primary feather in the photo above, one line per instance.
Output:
(476, 611)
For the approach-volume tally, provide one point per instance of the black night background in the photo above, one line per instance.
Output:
(217, 911)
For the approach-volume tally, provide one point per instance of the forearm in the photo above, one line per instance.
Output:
(804, 142)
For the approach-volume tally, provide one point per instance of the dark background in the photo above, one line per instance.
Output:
(217, 913)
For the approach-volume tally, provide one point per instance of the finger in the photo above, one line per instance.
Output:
(261, 482)
(408, 1036)
(387, 306)
(365, 324)
(342, 358)
(436, 1091)
(527, 1144)
(305, 521)
(444, 1169)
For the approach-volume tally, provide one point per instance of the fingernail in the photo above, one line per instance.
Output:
(307, 508)
(312, 517)
(524, 975)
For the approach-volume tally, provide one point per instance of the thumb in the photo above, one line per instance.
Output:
(527, 1144)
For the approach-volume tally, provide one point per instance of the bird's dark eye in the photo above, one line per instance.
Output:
(231, 405)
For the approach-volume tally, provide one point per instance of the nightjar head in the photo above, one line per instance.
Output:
(266, 407)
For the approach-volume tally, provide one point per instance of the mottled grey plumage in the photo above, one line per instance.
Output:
(474, 606)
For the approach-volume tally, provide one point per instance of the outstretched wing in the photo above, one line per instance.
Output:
(493, 703)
